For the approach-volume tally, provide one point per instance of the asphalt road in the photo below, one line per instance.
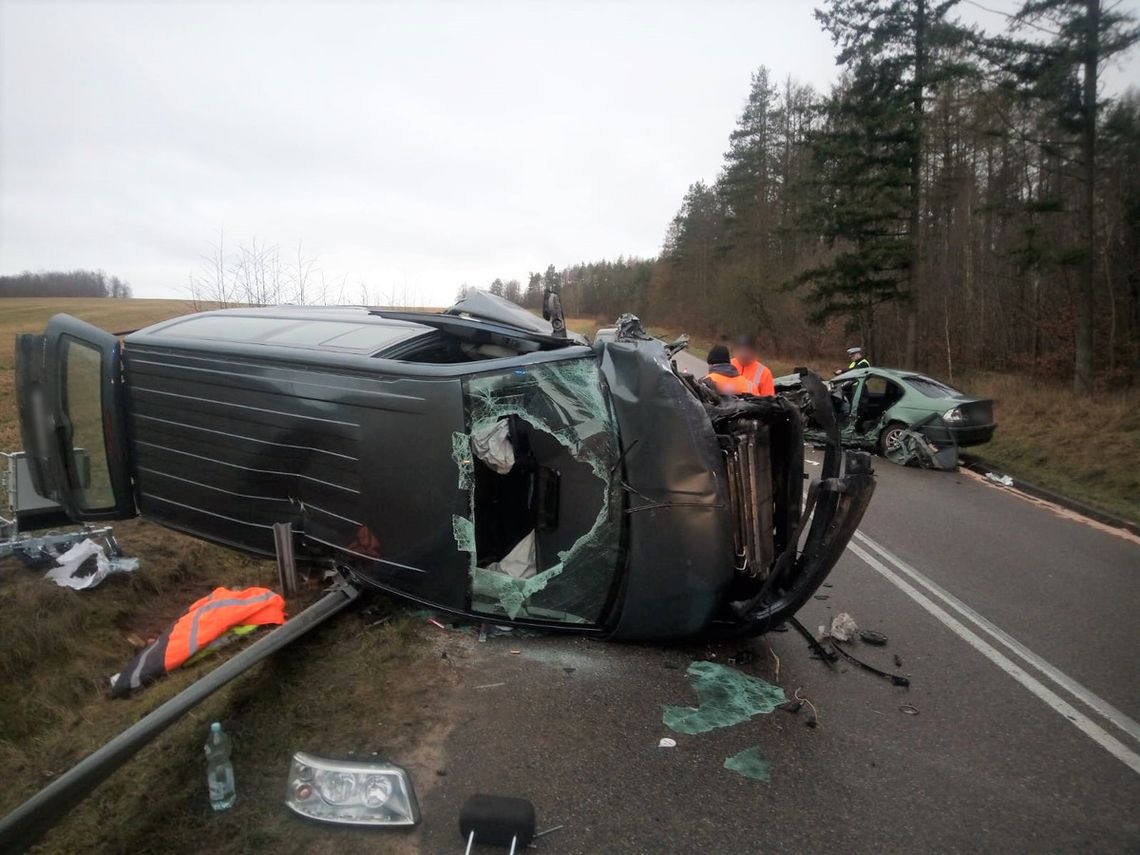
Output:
(1016, 623)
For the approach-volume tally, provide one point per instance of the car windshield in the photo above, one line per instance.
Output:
(540, 461)
(930, 387)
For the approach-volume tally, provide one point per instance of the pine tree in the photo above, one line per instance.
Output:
(1062, 71)
(901, 41)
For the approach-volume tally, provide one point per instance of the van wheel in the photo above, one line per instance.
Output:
(890, 440)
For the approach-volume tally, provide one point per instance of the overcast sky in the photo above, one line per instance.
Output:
(412, 147)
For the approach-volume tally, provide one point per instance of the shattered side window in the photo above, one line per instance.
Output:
(545, 505)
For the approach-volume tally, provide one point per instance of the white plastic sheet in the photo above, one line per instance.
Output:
(86, 564)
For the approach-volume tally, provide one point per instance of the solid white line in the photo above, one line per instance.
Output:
(1082, 694)
(1086, 725)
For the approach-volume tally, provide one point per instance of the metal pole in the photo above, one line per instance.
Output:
(27, 823)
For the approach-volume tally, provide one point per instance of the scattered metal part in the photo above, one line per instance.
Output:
(813, 716)
(896, 679)
(286, 560)
(818, 649)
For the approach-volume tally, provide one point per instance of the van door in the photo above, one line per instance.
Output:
(73, 419)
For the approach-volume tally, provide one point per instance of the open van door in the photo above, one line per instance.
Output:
(73, 419)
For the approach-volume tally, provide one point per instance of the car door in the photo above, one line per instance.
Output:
(72, 417)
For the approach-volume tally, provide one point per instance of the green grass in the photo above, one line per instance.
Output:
(348, 688)
(1088, 449)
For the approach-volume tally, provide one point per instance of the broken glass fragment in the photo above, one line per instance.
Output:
(461, 454)
(727, 697)
(577, 556)
(751, 764)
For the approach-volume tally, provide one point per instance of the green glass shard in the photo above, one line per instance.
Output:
(464, 531)
(567, 401)
(727, 697)
(461, 454)
(751, 764)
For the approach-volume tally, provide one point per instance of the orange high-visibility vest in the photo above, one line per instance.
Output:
(730, 385)
(212, 615)
(206, 620)
(759, 376)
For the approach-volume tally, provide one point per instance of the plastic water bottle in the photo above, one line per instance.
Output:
(219, 769)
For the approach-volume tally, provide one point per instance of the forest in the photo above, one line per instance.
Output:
(72, 283)
(960, 200)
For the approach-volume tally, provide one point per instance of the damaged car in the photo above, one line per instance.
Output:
(482, 461)
(907, 417)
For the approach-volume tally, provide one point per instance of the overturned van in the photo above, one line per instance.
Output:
(481, 461)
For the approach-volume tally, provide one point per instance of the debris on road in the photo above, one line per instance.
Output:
(813, 716)
(843, 627)
(667, 742)
(497, 821)
(1003, 480)
(349, 792)
(871, 637)
(909, 709)
(727, 697)
(896, 679)
(818, 650)
(750, 763)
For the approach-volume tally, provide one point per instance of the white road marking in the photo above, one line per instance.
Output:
(1086, 696)
(1082, 722)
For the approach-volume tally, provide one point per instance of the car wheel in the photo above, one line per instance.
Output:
(891, 440)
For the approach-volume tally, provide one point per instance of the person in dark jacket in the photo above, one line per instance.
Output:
(723, 375)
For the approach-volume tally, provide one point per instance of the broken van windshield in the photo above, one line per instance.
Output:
(543, 535)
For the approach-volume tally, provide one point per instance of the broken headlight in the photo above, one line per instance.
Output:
(350, 792)
(953, 415)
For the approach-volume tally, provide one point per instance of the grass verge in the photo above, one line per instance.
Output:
(346, 690)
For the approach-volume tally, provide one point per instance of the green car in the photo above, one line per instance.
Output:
(881, 408)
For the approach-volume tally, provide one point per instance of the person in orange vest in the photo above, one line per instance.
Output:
(723, 375)
(745, 361)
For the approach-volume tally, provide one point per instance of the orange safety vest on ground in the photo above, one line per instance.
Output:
(726, 385)
(206, 620)
(759, 376)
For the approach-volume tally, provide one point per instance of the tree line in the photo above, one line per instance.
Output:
(959, 200)
(71, 283)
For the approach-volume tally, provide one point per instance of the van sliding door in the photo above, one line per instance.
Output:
(72, 416)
